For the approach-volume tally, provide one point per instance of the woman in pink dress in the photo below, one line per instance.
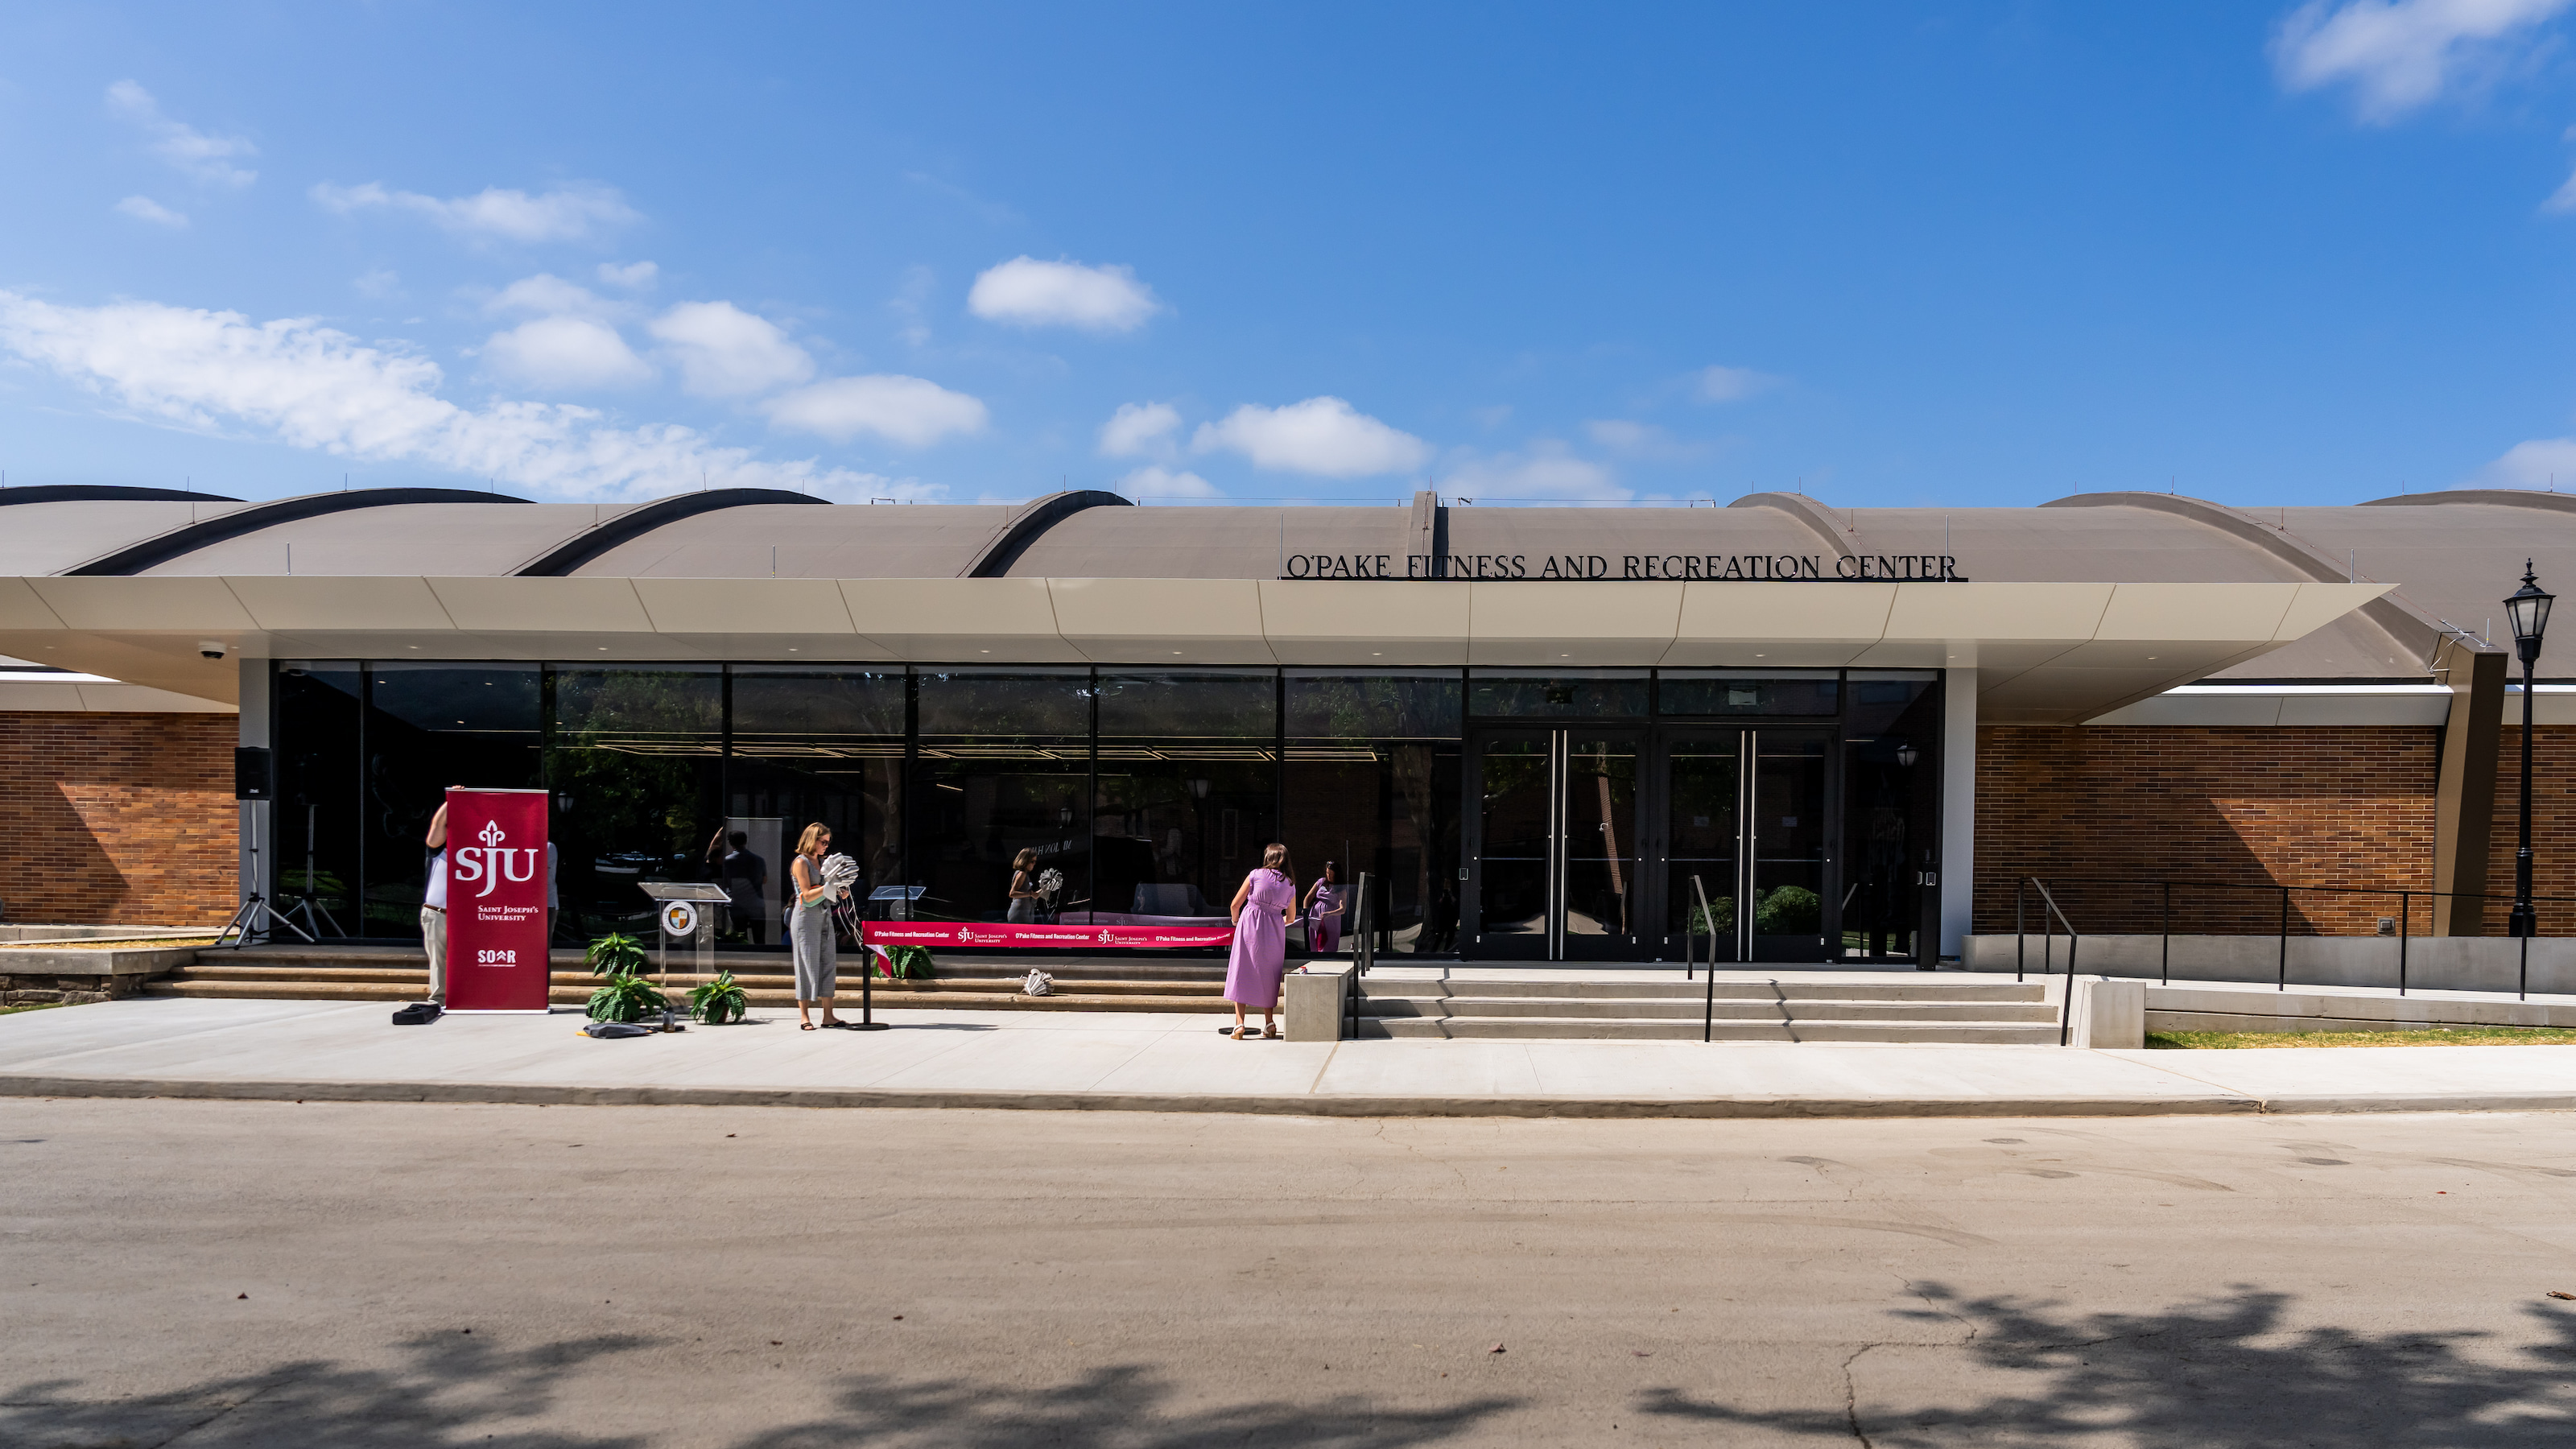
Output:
(1324, 900)
(1261, 911)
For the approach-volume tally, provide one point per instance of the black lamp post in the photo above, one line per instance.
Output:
(2528, 609)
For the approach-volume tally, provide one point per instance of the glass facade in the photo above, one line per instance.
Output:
(1485, 807)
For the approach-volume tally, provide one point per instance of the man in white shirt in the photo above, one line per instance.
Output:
(433, 907)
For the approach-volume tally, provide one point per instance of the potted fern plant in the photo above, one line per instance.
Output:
(623, 994)
(719, 1001)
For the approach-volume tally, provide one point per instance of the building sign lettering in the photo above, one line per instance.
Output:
(1766, 567)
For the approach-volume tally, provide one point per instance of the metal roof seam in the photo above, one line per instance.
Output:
(198, 533)
(1807, 511)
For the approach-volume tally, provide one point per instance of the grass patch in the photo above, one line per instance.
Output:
(2433, 1036)
(33, 1006)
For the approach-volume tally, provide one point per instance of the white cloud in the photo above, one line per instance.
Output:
(2399, 54)
(2539, 463)
(378, 282)
(633, 276)
(911, 304)
(565, 354)
(1630, 439)
(1322, 435)
(1139, 430)
(910, 411)
(1158, 482)
(1727, 384)
(144, 208)
(192, 152)
(724, 351)
(296, 382)
(548, 295)
(1547, 471)
(1033, 293)
(574, 213)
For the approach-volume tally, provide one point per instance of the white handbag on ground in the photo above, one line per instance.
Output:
(1038, 984)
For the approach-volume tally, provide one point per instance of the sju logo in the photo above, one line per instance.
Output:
(494, 863)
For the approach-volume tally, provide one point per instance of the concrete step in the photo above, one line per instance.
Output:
(561, 995)
(748, 963)
(1661, 1009)
(416, 978)
(1749, 990)
(1661, 1029)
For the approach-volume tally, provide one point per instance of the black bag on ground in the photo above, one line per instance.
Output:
(418, 1013)
(615, 1030)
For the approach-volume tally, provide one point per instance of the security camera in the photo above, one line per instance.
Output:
(211, 648)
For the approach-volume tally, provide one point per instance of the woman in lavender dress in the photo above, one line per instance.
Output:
(1261, 912)
(1324, 902)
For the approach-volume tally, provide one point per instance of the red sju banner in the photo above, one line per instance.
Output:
(496, 900)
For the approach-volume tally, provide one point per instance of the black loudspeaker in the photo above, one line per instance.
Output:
(254, 774)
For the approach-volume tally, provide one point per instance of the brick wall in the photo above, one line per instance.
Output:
(2295, 806)
(2553, 824)
(123, 818)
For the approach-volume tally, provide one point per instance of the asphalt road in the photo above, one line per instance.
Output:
(222, 1274)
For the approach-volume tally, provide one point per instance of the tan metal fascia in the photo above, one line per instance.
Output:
(2413, 631)
(2465, 783)
(146, 629)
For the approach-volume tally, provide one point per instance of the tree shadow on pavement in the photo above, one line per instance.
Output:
(2220, 1373)
(458, 1390)
(1117, 1407)
(455, 1389)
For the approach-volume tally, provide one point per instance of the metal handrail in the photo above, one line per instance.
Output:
(1708, 1011)
(2281, 967)
(1362, 954)
(2066, 1008)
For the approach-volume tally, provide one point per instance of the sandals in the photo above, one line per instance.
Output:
(804, 1026)
(1270, 1033)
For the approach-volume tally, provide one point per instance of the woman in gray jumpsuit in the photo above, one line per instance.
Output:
(809, 927)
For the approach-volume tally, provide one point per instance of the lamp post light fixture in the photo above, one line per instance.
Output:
(2528, 610)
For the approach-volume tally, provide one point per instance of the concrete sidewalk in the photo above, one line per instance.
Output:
(1169, 1063)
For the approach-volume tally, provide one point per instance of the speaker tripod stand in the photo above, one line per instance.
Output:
(255, 921)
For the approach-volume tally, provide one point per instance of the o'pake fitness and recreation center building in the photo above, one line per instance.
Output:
(1541, 732)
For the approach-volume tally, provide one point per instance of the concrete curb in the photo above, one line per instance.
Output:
(489, 1093)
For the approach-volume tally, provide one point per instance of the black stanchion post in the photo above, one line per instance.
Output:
(867, 986)
(2165, 966)
(2285, 940)
(2405, 923)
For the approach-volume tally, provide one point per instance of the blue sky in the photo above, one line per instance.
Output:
(1950, 254)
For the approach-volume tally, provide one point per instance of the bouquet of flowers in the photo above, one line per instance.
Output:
(1050, 881)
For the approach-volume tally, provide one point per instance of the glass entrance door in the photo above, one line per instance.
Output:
(1556, 870)
(1745, 824)
(1596, 844)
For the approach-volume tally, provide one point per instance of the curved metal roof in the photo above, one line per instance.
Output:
(2450, 555)
(179, 542)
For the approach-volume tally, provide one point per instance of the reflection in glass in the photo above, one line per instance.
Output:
(1788, 844)
(1372, 785)
(1700, 831)
(1889, 798)
(429, 726)
(1005, 767)
(1569, 693)
(810, 746)
(1600, 836)
(315, 840)
(1391, 706)
(635, 760)
(1746, 692)
(1187, 788)
(1515, 827)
